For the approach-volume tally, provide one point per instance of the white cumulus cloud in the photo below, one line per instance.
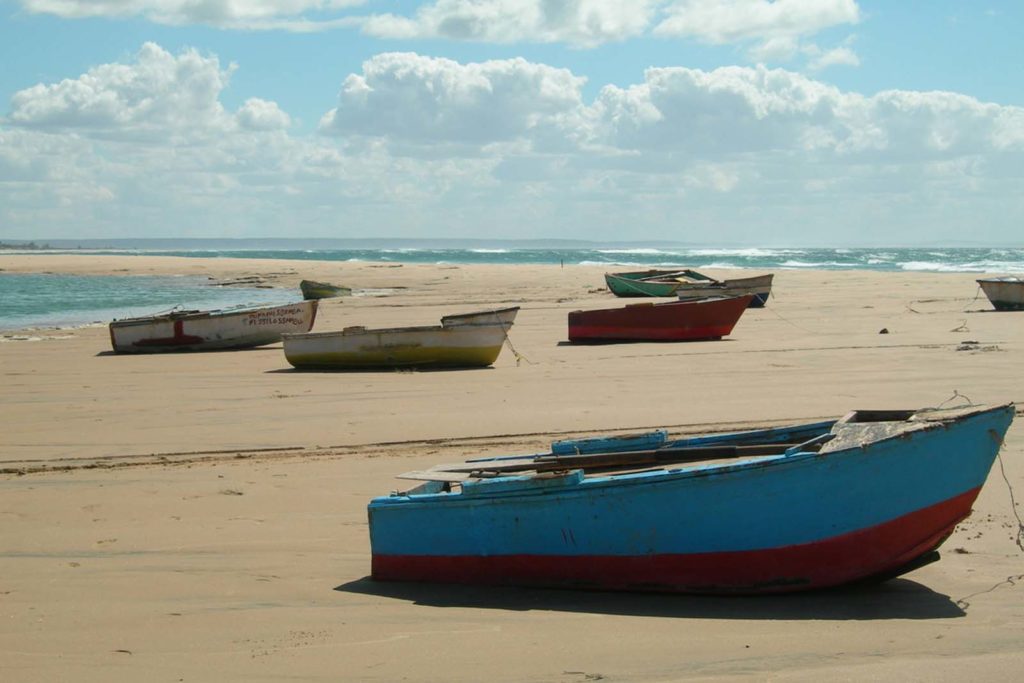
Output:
(729, 21)
(705, 113)
(580, 23)
(158, 92)
(773, 30)
(746, 111)
(840, 56)
(410, 97)
(237, 14)
(583, 23)
(419, 145)
(257, 114)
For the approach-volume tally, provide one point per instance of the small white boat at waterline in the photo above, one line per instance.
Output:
(466, 340)
(1005, 293)
(211, 330)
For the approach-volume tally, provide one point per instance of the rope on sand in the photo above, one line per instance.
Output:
(789, 322)
(504, 330)
(1019, 540)
(976, 295)
(963, 603)
(519, 357)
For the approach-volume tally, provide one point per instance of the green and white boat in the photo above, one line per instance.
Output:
(688, 284)
(312, 289)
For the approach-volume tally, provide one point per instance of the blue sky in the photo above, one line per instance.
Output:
(808, 122)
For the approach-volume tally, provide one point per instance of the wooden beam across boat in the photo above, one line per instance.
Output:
(606, 461)
(436, 475)
(661, 456)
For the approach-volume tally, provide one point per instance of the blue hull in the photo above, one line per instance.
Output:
(755, 525)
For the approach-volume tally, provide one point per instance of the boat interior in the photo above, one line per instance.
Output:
(654, 451)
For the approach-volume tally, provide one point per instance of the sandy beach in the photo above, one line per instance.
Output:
(202, 516)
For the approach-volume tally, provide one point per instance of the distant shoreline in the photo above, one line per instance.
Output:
(299, 244)
(998, 260)
(26, 246)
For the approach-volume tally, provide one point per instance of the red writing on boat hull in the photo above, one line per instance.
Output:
(278, 316)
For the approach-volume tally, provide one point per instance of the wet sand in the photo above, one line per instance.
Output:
(203, 516)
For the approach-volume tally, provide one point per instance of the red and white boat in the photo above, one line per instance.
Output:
(672, 321)
(211, 330)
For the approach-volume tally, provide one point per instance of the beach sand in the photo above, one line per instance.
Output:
(203, 516)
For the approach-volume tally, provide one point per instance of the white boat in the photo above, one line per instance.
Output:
(465, 340)
(500, 316)
(760, 286)
(1005, 293)
(210, 330)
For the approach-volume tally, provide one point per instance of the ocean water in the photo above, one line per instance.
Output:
(948, 260)
(52, 300)
(65, 300)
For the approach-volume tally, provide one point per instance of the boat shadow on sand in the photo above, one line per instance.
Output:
(407, 369)
(895, 599)
(679, 342)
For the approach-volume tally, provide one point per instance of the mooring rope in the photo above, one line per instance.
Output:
(976, 295)
(519, 357)
(1019, 541)
(787, 321)
(166, 311)
(504, 330)
(956, 395)
(1000, 442)
(964, 602)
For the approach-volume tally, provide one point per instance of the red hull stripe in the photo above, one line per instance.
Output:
(833, 561)
(179, 338)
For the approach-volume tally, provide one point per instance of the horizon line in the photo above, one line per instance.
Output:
(94, 241)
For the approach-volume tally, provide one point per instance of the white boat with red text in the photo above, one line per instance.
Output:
(211, 330)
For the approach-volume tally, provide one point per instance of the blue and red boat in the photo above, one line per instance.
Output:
(869, 496)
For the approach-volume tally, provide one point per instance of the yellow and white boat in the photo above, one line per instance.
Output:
(465, 340)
